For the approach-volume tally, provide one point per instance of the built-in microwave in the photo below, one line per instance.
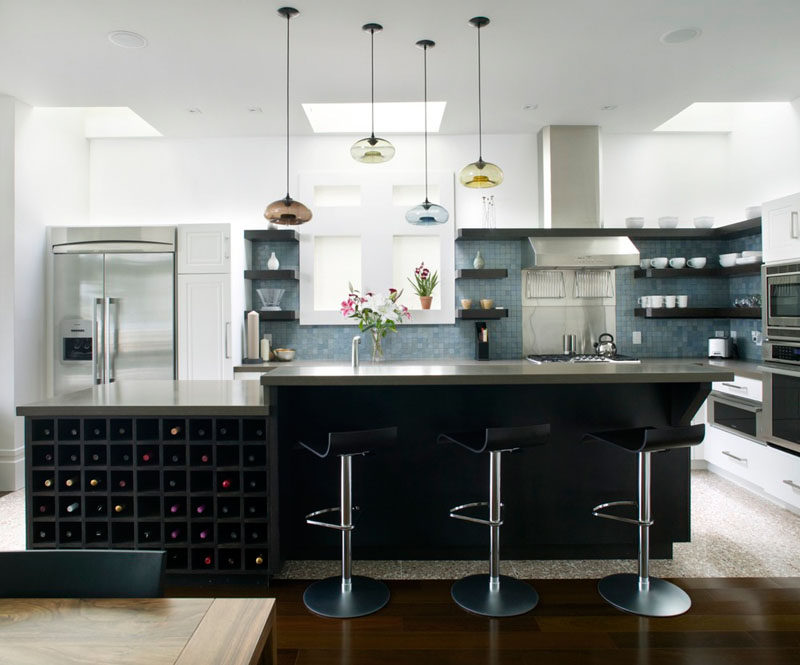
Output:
(736, 415)
(781, 313)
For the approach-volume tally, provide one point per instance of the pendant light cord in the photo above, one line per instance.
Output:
(480, 129)
(288, 18)
(425, 107)
(372, 77)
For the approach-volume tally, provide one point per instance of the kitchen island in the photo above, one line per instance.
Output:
(549, 491)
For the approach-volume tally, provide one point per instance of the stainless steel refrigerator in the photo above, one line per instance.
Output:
(113, 299)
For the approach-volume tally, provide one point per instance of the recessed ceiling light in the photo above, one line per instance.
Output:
(680, 35)
(609, 107)
(255, 109)
(530, 107)
(195, 110)
(397, 117)
(127, 39)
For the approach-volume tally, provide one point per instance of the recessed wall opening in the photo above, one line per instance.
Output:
(337, 263)
(408, 252)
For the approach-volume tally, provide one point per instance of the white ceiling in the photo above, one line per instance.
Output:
(568, 56)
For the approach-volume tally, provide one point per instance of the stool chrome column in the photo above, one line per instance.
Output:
(349, 595)
(640, 593)
(494, 595)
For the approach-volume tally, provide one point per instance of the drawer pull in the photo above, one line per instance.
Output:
(735, 387)
(734, 457)
(791, 484)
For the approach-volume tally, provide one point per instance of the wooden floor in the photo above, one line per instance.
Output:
(732, 621)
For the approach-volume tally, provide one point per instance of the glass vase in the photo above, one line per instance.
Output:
(377, 345)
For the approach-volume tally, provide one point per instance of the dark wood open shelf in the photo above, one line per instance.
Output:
(482, 273)
(748, 227)
(698, 312)
(270, 274)
(733, 271)
(280, 315)
(271, 235)
(496, 313)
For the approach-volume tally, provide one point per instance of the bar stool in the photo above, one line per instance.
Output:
(349, 595)
(494, 595)
(641, 594)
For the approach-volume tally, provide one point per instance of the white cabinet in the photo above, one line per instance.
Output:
(741, 386)
(204, 326)
(735, 456)
(780, 224)
(204, 248)
(783, 478)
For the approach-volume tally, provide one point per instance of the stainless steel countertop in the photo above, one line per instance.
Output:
(156, 398)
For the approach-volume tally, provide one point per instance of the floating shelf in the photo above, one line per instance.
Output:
(733, 271)
(272, 235)
(698, 312)
(482, 273)
(270, 274)
(496, 313)
(748, 227)
(280, 315)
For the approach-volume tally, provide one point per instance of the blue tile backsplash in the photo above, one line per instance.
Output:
(660, 337)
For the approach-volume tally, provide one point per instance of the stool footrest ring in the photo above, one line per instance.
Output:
(454, 513)
(597, 512)
(328, 525)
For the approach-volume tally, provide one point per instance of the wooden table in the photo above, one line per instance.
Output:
(158, 631)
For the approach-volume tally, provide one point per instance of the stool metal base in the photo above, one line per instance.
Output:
(662, 599)
(327, 599)
(513, 596)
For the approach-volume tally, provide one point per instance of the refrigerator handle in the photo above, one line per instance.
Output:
(97, 346)
(109, 354)
(227, 339)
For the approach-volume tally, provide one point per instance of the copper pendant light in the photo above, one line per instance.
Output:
(426, 213)
(480, 174)
(287, 211)
(373, 149)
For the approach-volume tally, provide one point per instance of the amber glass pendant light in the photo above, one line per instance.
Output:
(287, 211)
(373, 149)
(480, 174)
(426, 213)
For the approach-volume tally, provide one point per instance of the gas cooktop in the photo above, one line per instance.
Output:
(581, 358)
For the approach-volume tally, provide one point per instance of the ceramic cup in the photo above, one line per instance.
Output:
(697, 262)
(644, 301)
(659, 262)
(678, 262)
(669, 301)
(683, 301)
(487, 303)
(728, 260)
(656, 301)
(644, 264)
(466, 303)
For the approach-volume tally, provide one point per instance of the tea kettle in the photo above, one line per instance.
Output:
(604, 346)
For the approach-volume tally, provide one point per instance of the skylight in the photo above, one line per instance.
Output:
(722, 117)
(390, 117)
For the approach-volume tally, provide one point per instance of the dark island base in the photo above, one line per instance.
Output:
(549, 491)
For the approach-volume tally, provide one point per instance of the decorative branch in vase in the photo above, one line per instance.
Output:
(424, 283)
(377, 312)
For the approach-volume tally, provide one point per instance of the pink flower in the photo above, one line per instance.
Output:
(406, 313)
(425, 273)
(392, 291)
(347, 307)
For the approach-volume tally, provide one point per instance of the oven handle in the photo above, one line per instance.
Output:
(794, 224)
(750, 405)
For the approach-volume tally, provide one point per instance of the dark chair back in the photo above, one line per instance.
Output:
(82, 574)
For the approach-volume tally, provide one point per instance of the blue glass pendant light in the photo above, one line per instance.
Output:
(426, 213)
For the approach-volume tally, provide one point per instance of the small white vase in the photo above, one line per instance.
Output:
(478, 262)
(273, 263)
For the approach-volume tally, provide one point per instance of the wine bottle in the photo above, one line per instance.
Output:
(119, 507)
(42, 508)
(226, 484)
(175, 458)
(73, 432)
(48, 457)
(234, 535)
(204, 459)
(207, 560)
(201, 432)
(94, 482)
(225, 510)
(259, 560)
(69, 482)
(122, 482)
(174, 508)
(96, 431)
(95, 457)
(172, 483)
(146, 457)
(203, 534)
(73, 457)
(48, 482)
(71, 508)
(201, 509)
(175, 534)
(175, 430)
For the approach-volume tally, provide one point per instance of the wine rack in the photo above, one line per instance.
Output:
(198, 487)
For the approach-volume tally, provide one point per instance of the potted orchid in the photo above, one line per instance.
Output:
(424, 283)
(377, 312)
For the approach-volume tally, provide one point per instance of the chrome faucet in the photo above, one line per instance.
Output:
(354, 351)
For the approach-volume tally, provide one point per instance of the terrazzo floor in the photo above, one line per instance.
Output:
(734, 534)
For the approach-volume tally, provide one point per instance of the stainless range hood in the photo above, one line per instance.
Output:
(569, 198)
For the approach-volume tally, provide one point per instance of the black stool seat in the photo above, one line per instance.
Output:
(498, 438)
(652, 439)
(359, 442)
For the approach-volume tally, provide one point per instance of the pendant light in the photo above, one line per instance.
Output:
(480, 174)
(426, 213)
(372, 150)
(287, 211)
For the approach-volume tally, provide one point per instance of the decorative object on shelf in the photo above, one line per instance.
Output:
(487, 303)
(252, 339)
(426, 213)
(678, 262)
(266, 342)
(287, 211)
(377, 312)
(660, 262)
(270, 299)
(728, 260)
(703, 222)
(489, 219)
(466, 303)
(480, 174)
(667, 222)
(478, 261)
(424, 283)
(273, 263)
(634, 222)
(697, 262)
(748, 301)
(285, 355)
(372, 150)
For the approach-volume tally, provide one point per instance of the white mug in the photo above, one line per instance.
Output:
(697, 262)
(659, 263)
(644, 264)
(669, 301)
(656, 301)
(677, 262)
(683, 301)
(644, 301)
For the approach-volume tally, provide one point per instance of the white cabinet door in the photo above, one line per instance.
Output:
(780, 224)
(783, 477)
(204, 327)
(204, 248)
(735, 456)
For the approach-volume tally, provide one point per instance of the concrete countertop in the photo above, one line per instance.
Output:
(748, 368)
(157, 398)
(496, 372)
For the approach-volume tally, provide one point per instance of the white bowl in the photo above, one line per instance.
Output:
(284, 355)
(703, 222)
(752, 212)
(668, 222)
(659, 262)
(753, 252)
(697, 262)
(746, 260)
(634, 222)
(728, 260)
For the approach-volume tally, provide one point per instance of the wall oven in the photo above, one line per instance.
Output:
(781, 290)
(782, 406)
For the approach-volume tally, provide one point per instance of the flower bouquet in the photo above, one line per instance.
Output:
(424, 283)
(377, 312)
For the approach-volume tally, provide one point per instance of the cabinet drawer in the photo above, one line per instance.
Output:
(783, 476)
(741, 386)
(736, 455)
